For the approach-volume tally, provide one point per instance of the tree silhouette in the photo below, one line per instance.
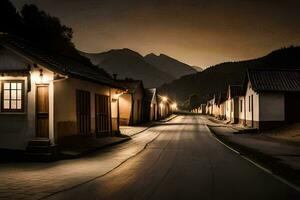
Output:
(38, 27)
(10, 20)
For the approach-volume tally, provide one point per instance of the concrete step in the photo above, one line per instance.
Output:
(39, 142)
(41, 149)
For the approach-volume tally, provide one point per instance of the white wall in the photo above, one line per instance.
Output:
(271, 107)
(138, 96)
(222, 108)
(65, 103)
(125, 108)
(250, 92)
(16, 129)
(228, 109)
(215, 110)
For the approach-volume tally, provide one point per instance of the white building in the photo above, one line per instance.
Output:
(232, 103)
(271, 98)
(151, 105)
(209, 106)
(221, 103)
(51, 97)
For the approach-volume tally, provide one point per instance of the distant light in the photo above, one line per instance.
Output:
(164, 99)
(161, 105)
(174, 106)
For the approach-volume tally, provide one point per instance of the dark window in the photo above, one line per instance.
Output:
(241, 105)
(12, 97)
(249, 104)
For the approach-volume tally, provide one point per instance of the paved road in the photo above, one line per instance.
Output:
(183, 162)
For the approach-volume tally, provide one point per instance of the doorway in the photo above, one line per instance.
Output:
(83, 110)
(42, 111)
(102, 113)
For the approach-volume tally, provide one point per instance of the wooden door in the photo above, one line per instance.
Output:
(138, 111)
(42, 111)
(102, 113)
(83, 110)
(252, 112)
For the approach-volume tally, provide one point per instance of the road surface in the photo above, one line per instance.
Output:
(183, 162)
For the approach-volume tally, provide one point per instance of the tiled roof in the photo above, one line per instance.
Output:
(234, 90)
(274, 80)
(149, 93)
(130, 84)
(56, 63)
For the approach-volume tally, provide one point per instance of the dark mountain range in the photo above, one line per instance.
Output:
(217, 78)
(153, 70)
(169, 65)
(129, 64)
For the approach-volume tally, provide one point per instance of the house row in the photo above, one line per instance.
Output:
(268, 98)
(47, 97)
(138, 104)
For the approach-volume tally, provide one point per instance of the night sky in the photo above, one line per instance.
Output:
(198, 32)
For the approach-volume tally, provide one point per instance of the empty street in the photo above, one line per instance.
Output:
(183, 161)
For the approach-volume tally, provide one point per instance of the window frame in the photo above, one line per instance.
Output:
(22, 109)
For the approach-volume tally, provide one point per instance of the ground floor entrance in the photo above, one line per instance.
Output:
(102, 114)
(42, 111)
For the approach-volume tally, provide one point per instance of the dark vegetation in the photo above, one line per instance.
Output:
(44, 31)
(216, 79)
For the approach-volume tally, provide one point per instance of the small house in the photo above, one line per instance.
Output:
(232, 104)
(50, 97)
(131, 102)
(215, 106)
(210, 105)
(202, 109)
(151, 105)
(271, 98)
(164, 107)
(221, 102)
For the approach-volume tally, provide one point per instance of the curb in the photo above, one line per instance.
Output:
(79, 155)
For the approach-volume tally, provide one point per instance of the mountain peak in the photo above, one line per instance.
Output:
(169, 65)
(127, 63)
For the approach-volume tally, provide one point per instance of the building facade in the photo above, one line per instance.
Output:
(43, 96)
